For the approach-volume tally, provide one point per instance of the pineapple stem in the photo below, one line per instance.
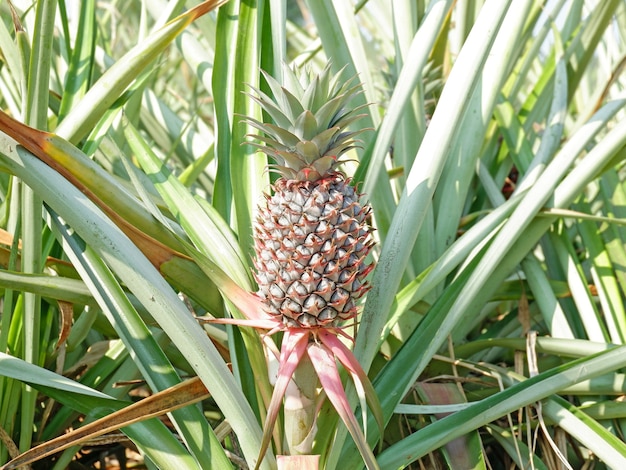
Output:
(298, 462)
(300, 408)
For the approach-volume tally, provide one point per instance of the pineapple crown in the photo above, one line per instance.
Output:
(310, 115)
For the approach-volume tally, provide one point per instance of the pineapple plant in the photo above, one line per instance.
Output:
(311, 236)
(311, 239)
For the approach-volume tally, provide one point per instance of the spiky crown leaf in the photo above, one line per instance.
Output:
(310, 115)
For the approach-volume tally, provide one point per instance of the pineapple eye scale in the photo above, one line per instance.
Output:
(297, 288)
(276, 292)
(328, 313)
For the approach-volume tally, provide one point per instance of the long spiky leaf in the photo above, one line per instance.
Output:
(274, 111)
(291, 353)
(326, 368)
(347, 359)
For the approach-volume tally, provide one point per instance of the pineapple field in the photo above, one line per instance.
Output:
(273, 234)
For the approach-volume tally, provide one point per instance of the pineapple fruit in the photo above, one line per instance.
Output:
(311, 236)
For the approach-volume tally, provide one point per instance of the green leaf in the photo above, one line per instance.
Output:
(114, 82)
(151, 436)
(498, 405)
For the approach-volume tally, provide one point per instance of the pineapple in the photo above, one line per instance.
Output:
(311, 236)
